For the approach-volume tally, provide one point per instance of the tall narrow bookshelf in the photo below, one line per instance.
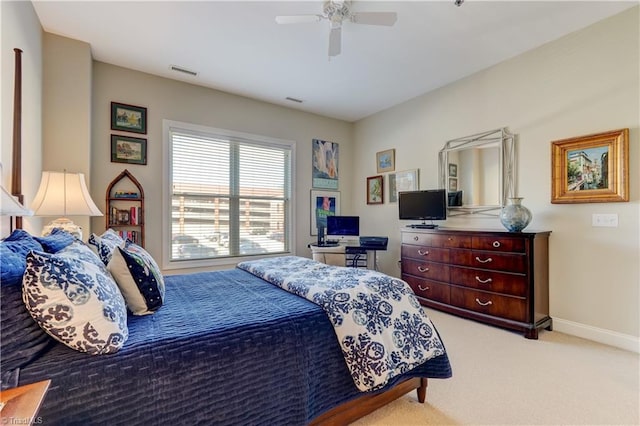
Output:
(125, 207)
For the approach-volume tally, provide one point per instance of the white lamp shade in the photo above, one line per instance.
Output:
(64, 194)
(9, 206)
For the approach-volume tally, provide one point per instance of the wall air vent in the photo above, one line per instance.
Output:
(293, 99)
(182, 70)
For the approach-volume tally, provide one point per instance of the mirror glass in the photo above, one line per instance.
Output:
(478, 172)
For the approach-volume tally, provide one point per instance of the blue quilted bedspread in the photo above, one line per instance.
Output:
(227, 348)
(380, 325)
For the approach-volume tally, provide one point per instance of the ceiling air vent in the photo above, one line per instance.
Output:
(182, 70)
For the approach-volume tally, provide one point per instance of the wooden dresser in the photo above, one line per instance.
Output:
(500, 278)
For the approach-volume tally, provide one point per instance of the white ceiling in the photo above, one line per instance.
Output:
(237, 47)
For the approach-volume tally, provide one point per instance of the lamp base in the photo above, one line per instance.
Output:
(64, 224)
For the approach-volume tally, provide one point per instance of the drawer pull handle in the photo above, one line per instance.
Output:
(496, 244)
(423, 253)
(483, 303)
(484, 261)
(415, 238)
(481, 281)
(423, 289)
(421, 269)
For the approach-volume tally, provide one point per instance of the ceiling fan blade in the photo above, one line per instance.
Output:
(297, 19)
(335, 41)
(375, 18)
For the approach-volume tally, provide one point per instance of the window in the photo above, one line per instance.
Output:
(229, 194)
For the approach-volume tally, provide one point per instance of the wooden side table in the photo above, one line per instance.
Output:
(20, 405)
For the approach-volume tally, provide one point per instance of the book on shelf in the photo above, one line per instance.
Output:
(129, 216)
(132, 236)
(126, 194)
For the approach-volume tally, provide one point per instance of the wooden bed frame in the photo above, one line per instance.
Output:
(340, 415)
(363, 405)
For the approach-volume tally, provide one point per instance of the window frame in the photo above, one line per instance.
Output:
(167, 173)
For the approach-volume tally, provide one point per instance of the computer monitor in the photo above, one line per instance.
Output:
(344, 227)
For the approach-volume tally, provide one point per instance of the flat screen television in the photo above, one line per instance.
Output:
(426, 205)
(343, 226)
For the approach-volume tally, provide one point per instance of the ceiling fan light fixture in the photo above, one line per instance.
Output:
(337, 12)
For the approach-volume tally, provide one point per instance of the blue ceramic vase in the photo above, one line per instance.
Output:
(514, 216)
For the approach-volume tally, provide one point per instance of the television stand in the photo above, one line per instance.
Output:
(422, 226)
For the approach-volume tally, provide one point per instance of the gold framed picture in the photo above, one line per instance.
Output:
(591, 169)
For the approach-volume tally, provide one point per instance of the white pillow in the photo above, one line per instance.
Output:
(138, 277)
(75, 301)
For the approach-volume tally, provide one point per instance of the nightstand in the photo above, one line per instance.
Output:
(20, 405)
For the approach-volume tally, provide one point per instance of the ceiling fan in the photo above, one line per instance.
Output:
(336, 12)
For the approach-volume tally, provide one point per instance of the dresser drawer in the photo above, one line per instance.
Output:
(436, 240)
(490, 260)
(497, 282)
(513, 245)
(430, 270)
(428, 289)
(425, 253)
(512, 308)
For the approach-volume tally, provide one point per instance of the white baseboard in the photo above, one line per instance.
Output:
(600, 335)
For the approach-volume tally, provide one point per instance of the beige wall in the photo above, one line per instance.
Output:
(21, 29)
(174, 100)
(66, 113)
(584, 83)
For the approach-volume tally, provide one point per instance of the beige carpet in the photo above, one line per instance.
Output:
(501, 378)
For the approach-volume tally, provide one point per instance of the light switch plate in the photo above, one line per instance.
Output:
(609, 220)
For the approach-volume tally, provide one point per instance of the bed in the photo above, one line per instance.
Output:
(226, 348)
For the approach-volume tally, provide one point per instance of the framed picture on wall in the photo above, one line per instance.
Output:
(325, 158)
(128, 118)
(125, 149)
(323, 204)
(591, 169)
(453, 184)
(386, 161)
(375, 190)
(406, 180)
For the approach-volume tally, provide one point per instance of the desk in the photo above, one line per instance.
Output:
(354, 256)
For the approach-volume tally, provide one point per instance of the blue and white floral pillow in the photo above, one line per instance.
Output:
(139, 278)
(106, 244)
(75, 301)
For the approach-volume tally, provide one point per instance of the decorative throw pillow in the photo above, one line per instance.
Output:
(83, 252)
(138, 277)
(106, 244)
(75, 301)
(56, 240)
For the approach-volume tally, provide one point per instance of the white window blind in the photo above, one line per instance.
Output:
(230, 195)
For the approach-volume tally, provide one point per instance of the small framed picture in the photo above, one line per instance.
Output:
(453, 170)
(402, 181)
(128, 118)
(453, 184)
(323, 204)
(375, 190)
(125, 149)
(386, 161)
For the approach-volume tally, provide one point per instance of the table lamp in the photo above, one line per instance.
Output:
(63, 194)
